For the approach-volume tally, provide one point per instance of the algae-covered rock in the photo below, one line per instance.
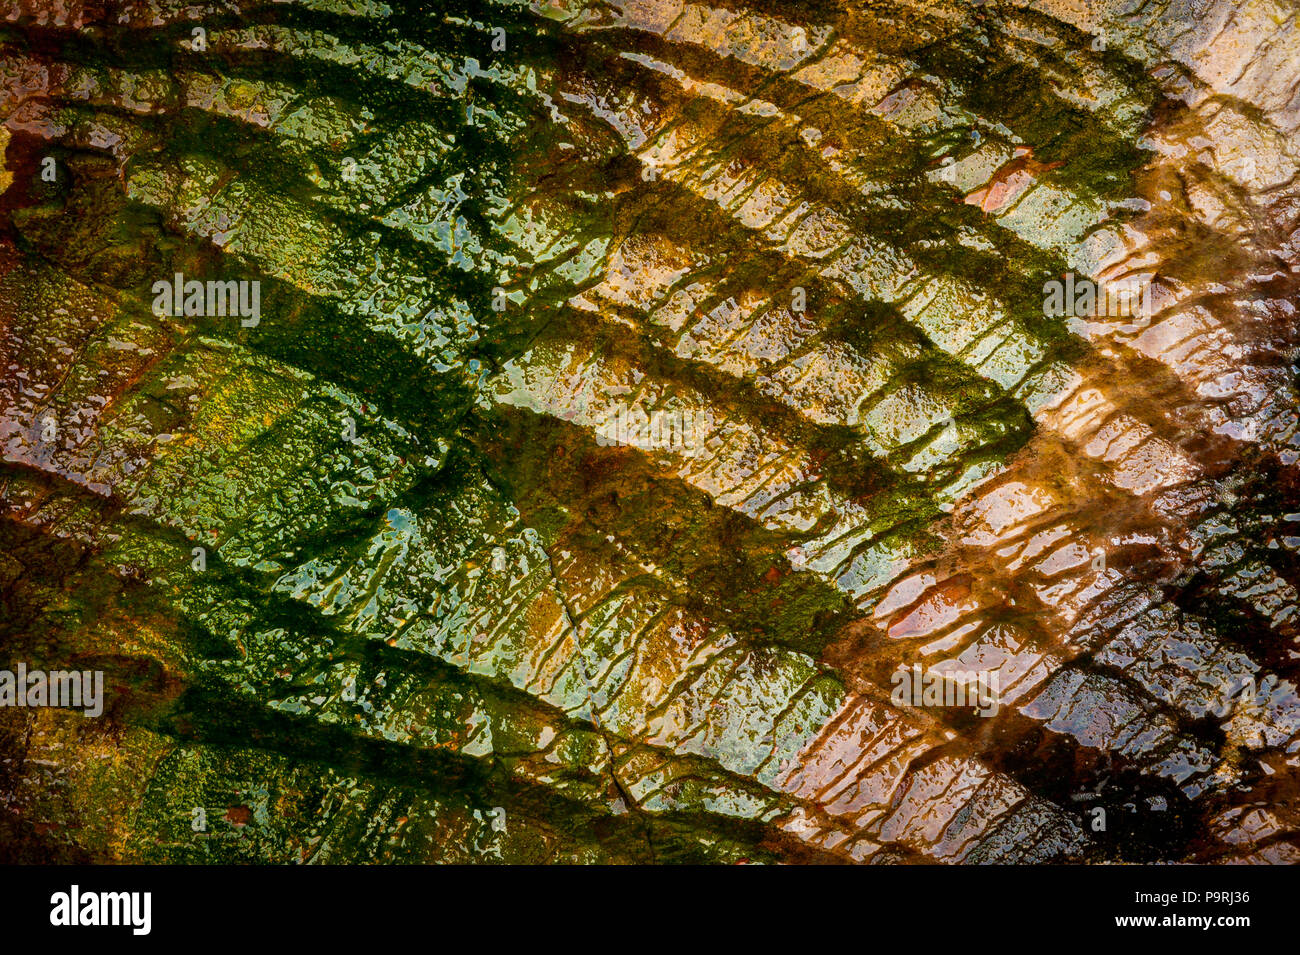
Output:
(651, 431)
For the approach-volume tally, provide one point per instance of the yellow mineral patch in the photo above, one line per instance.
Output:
(6, 177)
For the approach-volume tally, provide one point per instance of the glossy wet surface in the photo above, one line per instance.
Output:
(627, 406)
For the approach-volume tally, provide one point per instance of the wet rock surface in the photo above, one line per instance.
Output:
(637, 389)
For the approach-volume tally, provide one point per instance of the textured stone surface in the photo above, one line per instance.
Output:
(453, 611)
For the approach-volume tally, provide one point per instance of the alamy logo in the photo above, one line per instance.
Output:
(975, 688)
(102, 908)
(659, 430)
(75, 689)
(177, 297)
(1081, 297)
